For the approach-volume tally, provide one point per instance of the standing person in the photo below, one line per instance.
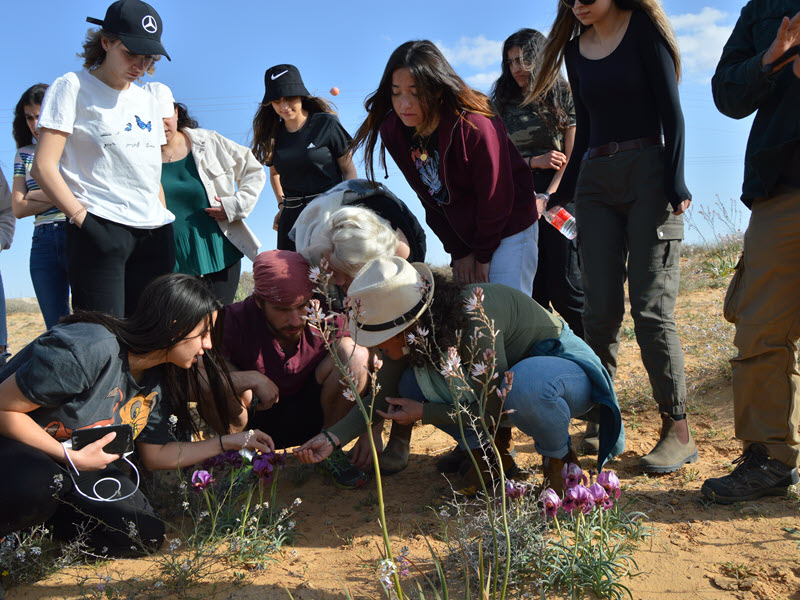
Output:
(6, 236)
(98, 160)
(476, 188)
(48, 260)
(300, 139)
(544, 133)
(626, 176)
(759, 71)
(211, 184)
(140, 372)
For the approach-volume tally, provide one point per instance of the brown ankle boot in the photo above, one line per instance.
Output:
(395, 457)
(590, 443)
(552, 467)
(675, 448)
(452, 461)
(505, 445)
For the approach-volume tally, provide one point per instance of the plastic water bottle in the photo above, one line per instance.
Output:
(559, 218)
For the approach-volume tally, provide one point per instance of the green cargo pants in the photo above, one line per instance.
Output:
(626, 229)
(763, 301)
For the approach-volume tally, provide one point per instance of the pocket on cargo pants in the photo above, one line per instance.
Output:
(730, 308)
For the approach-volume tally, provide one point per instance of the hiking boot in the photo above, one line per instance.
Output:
(670, 453)
(552, 467)
(505, 445)
(394, 458)
(755, 475)
(452, 461)
(338, 468)
(590, 443)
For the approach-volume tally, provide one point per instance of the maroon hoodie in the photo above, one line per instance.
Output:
(489, 185)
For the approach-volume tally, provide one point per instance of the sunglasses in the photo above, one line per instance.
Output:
(571, 3)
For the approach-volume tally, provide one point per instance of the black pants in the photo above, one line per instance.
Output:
(37, 489)
(110, 264)
(291, 210)
(225, 282)
(558, 275)
(293, 420)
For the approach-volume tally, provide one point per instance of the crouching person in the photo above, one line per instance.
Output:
(94, 370)
(287, 381)
(556, 376)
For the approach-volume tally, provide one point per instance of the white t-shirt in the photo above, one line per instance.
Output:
(112, 157)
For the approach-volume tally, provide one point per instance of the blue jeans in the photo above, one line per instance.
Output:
(515, 260)
(546, 393)
(48, 266)
(407, 387)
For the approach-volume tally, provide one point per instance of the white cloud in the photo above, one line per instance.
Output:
(701, 37)
(476, 52)
(483, 81)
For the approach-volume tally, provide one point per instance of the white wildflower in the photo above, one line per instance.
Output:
(349, 395)
(314, 273)
(475, 300)
(173, 420)
(297, 502)
(452, 364)
(478, 369)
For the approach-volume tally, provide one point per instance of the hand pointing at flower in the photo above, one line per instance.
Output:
(402, 410)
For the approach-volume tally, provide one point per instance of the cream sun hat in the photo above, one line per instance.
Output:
(393, 293)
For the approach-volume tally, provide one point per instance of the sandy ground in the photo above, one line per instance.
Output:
(698, 550)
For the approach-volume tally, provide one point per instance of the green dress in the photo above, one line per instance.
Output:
(200, 246)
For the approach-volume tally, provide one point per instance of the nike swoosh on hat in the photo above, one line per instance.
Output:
(274, 77)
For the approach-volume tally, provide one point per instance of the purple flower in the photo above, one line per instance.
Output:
(264, 465)
(514, 489)
(600, 496)
(573, 475)
(213, 462)
(577, 498)
(551, 502)
(610, 483)
(201, 480)
(233, 458)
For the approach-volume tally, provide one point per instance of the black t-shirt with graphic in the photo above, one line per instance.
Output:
(425, 154)
(306, 158)
(79, 376)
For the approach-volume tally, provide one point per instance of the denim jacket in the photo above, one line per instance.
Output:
(740, 87)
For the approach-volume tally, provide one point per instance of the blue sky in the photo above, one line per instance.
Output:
(220, 52)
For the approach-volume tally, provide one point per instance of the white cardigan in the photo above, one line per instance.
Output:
(224, 166)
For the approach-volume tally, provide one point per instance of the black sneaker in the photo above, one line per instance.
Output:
(341, 471)
(755, 475)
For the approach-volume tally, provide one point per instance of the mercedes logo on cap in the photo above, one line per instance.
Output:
(149, 24)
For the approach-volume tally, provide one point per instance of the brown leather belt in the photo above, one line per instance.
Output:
(612, 148)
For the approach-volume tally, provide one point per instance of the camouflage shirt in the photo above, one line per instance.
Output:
(529, 130)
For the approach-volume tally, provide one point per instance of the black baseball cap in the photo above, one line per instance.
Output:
(136, 23)
(283, 81)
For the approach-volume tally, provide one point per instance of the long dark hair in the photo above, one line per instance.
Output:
(31, 97)
(566, 26)
(438, 88)
(266, 124)
(445, 318)
(506, 92)
(169, 309)
(184, 119)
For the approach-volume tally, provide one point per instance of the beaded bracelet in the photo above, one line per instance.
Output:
(330, 439)
(221, 447)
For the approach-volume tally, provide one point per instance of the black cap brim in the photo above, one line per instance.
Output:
(139, 45)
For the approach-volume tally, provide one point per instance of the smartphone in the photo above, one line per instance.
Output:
(122, 444)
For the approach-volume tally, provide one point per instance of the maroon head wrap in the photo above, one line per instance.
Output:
(281, 278)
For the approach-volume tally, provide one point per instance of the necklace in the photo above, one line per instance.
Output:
(422, 145)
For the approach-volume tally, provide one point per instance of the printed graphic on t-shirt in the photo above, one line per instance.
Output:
(429, 172)
(133, 412)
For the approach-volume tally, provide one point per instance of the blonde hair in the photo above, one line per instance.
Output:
(566, 26)
(352, 237)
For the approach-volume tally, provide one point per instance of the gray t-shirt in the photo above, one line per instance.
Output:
(80, 377)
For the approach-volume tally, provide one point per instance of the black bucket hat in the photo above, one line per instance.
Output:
(283, 81)
(136, 23)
